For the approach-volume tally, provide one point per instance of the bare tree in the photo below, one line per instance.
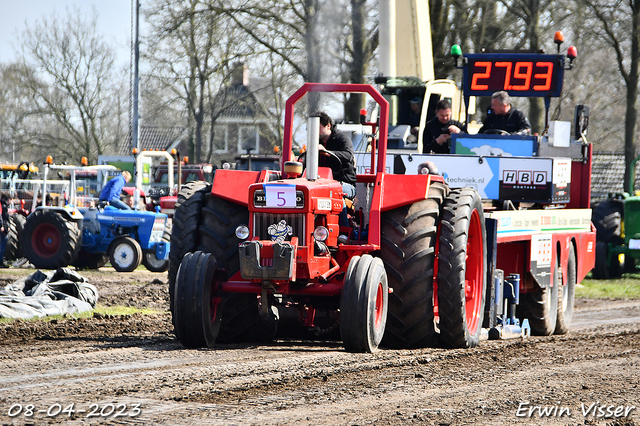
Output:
(618, 26)
(73, 83)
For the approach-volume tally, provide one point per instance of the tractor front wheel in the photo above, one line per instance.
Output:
(197, 308)
(125, 254)
(49, 240)
(364, 304)
(153, 264)
(462, 265)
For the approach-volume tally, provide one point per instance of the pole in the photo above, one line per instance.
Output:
(136, 80)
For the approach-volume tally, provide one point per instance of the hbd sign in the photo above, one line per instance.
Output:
(524, 177)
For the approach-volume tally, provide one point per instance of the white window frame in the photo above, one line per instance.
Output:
(257, 136)
(219, 127)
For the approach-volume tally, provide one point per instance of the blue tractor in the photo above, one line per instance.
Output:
(88, 237)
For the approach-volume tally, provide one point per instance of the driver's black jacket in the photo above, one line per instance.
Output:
(433, 130)
(341, 146)
(514, 122)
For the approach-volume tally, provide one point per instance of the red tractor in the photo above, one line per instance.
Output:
(253, 243)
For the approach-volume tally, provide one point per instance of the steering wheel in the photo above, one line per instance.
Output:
(496, 132)
(325, 159)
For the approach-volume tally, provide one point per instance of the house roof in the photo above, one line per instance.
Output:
(607, 175)
(156, 137)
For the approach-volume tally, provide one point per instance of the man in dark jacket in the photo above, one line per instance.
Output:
(505, 117)
(339, 144)
(438, 131)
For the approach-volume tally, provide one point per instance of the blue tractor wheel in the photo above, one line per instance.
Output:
(125, 254)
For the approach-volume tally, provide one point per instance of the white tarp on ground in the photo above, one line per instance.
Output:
(47, 293)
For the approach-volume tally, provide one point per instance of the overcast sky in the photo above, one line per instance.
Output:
(114, 21)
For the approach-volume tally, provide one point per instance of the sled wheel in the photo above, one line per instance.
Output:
(567, 294)
(197, 308)
(462, 262)
(49, 240)
(125, 254)
(364, 304)
(408, 252)
(541, 307)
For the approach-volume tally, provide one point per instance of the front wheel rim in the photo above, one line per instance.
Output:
(474, 273)
(122, 253)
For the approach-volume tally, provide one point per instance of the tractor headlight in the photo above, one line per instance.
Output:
(321, 234)
(242, 232)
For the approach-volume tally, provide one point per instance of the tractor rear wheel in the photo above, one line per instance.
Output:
(462, 265)
(364, 303)
(184, 229)
(567, 294)
(86, 260)
(13, 249)
(408, 246)
(242, 320)
(541, 307)
(197, 307)
(50, 241)
(607, 218)
(125, 254)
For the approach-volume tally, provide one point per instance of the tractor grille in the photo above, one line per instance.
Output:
(262, 221)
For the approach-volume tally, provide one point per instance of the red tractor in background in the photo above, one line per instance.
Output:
(253, 243)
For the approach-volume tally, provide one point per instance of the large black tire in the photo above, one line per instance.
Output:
(197, 310)
(49, 240)
(607, 218)
(462, 266)
(601, 270)
(567, 294)
(184, 229)
(241, 317)
(86, 260)
(364, 304)
(541, 307)
(125, 254)
(13, 250)
(408, 246)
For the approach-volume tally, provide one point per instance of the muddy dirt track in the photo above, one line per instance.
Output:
(130, 370)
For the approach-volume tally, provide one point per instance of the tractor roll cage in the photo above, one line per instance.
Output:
(383, 124)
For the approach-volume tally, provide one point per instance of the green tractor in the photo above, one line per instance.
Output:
(617, 222)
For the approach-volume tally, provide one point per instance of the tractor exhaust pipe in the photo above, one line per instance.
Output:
(313, 139)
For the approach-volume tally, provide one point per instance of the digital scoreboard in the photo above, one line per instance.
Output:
(520, 74)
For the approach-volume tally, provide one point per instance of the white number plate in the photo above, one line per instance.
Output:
(634, 244)
(282, 196)
(324, 204)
